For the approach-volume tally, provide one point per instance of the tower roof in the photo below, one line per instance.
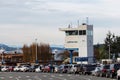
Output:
(81, 27)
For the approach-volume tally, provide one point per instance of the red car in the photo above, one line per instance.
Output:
(11, 68)
(46, 69)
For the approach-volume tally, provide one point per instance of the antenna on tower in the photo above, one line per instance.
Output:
(71, 25)
(78, 23)
(87, 20)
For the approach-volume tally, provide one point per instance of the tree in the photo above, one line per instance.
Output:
(25, 53)
(99, 52)
(117, 46)
(112, 42)
(43, 52)
(109, 44)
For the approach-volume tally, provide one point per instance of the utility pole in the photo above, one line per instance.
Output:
(109, 51)
(2, 56)
(36, 51)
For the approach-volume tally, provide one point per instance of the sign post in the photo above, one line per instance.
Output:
(71, 56)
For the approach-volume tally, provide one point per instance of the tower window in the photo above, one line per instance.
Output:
(82, 32)
(75, 32)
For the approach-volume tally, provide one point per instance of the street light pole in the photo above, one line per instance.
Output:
(36, 51)
(109, 51)
(2, 56)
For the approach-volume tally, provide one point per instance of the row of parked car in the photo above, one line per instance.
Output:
(24, 68)
(108, 70)
(102, 70)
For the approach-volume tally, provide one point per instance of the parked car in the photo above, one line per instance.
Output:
(96, 71)
(71, 68)
(32, 68)
(38, 69)
(4, 68)
(104, 68)
(118, 74)
(24, 68)
(79, 68)
(56, 69)
(46, 69)
(63, 68)
(112, 73)
(0, 68)
(16, 68)
(11, 68)
(88, 68)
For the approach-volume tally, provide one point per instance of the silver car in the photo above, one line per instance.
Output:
(96, 72)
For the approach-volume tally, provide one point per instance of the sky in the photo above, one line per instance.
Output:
(24, 21)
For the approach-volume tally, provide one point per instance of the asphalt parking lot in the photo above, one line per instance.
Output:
(46, 76)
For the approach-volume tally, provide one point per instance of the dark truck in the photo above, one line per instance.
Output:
(88, 68)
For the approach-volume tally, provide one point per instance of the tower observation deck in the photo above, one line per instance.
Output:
(80, 38)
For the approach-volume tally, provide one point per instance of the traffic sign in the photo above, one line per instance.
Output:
(80, 59)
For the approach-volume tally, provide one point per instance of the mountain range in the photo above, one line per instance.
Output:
(11, 48)
(7, 48)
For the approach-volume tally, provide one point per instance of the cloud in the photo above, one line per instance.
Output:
(23, 19)
(29, 11)
(26, 34)
(100, 33)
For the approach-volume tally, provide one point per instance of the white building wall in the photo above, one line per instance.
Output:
(82, 46)
(71, 42)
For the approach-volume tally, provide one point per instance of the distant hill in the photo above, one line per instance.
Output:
(7, 48)
(58, 47)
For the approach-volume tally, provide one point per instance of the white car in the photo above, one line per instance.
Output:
(24, 68)
(17, 68)
(4, 68)
(38, 69)
(56, 69)
(118, 74)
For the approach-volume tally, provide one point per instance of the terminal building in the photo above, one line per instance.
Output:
(81, 39)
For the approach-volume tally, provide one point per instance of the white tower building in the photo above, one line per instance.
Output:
(80, 38)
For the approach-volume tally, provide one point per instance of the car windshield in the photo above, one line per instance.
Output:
(117, 66)
(106, 66)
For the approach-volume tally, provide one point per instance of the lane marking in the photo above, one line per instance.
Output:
(60, 75)
(2, 77)
(36, 77)
(10, 76)
(17, 78)
(87, 78)
(44, 76)
(27, 76)
(51, 78)
(69, 75)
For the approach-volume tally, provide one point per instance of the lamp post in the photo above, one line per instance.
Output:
(36, 51)
(2, 50)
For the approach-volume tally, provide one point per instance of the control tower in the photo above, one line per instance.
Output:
(80, 38)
